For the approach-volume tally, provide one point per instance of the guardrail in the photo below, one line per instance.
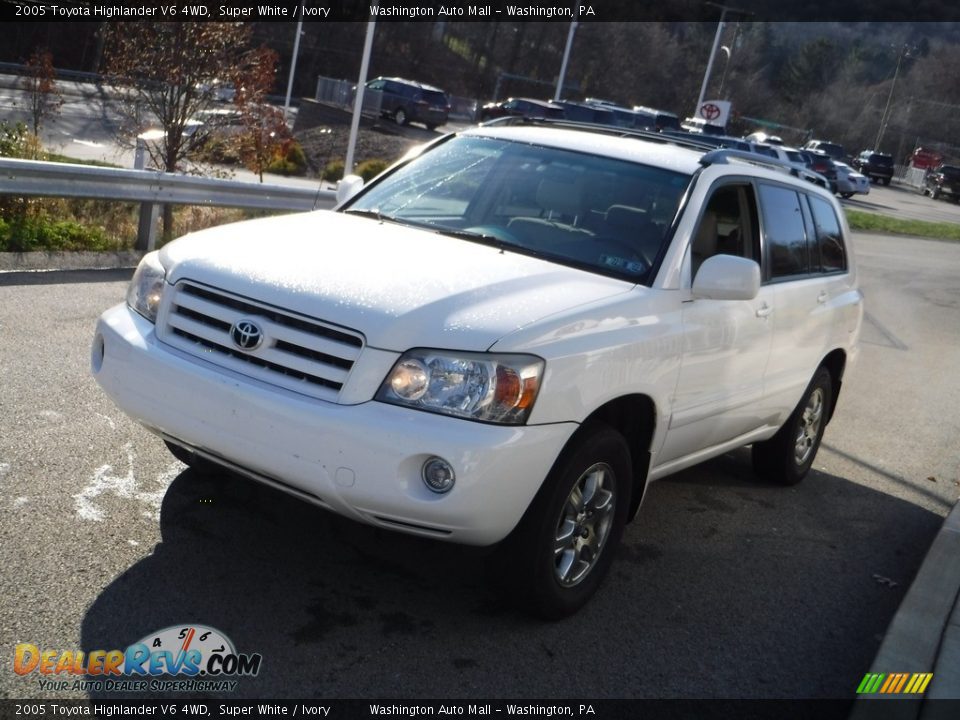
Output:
(33, 178)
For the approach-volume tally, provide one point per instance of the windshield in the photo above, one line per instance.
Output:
(597, 213)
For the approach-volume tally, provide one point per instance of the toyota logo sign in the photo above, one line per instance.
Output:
(246, 335)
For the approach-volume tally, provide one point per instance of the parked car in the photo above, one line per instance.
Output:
(521, 107)
(659, 120)
(944, 181)
(586, 112)
(502, 340)
(850, 182)
(835, 150)
(222, 91)
(924, 159)
(823, 164)
(697, 125)
(875, 165)
(407, 101)
(791, 156)
(764, 138)
(624, 116)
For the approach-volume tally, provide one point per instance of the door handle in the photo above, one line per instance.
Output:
(764, 310)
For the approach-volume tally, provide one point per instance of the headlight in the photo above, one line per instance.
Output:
(478, 386)
(146, 287)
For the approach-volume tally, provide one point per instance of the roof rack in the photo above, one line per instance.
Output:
(712, 154)
(617, 130)
(723, 156)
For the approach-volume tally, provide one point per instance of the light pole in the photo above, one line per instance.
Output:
(713, 52)
(566, 57)
(904, 52)
(293, 68)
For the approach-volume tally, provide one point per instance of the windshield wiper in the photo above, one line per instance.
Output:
(375, 214)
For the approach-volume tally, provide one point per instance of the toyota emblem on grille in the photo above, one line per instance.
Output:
(246, 335)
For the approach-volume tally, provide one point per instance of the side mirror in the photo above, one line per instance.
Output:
(727, 277)
(349, 186)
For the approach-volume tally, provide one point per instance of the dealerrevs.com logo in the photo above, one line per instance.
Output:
(181, 658)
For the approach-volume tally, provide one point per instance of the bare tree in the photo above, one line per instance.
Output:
(42, 92)
(265, 132)
(164, 72)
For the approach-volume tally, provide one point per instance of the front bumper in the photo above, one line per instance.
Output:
(362, 461)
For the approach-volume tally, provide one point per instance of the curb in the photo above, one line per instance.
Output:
(34, 261)
(924, 635)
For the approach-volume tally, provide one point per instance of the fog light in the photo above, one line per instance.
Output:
(438, 475)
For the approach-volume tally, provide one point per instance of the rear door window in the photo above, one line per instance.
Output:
(787, 250)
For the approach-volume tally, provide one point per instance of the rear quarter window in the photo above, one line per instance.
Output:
(830, 252)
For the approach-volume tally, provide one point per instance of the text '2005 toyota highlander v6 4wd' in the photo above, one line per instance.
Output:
(502, 340)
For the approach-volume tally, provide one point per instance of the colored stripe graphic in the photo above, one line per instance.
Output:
(894, 683)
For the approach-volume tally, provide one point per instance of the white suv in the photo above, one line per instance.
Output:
(502, 340)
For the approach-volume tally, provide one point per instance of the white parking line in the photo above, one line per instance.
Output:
(126, 487)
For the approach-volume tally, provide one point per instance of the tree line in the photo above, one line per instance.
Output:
(852, 82)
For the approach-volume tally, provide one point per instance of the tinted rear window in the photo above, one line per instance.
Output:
(885, 160)
(831, 149)
(434, 97)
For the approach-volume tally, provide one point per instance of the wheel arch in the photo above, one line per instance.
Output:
(634, 417)
(835, 362)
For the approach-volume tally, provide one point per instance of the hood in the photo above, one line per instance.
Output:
(399, 286)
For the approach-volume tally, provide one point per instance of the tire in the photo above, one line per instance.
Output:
(400, 117)
(846, 195)
(562, 548)
(431, 128)
(935, 193)
(786, 458)
(886, 181)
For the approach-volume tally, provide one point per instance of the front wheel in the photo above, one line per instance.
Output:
(846, 195)
(786, 458)
(563, 547)
(400, 116)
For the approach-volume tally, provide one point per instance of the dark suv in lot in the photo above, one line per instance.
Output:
(407, 101)
(943, 181)
(834, 150)
(521, 107)
(875, 165)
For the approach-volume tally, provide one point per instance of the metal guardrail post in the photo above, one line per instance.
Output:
(146, 227)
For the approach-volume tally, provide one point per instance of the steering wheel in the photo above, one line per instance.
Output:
(625, 247)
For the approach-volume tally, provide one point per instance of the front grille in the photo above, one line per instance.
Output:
(295, 352)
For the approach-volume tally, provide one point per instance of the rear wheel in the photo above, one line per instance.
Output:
(563, 547)
(786, 458)
(846, 195)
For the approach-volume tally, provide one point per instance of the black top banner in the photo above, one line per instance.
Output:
(213, 709)
(490, 11)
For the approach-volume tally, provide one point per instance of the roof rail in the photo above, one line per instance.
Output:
(723, 156)
(617, 130)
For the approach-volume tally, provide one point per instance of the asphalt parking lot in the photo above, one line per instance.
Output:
(724, 587)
